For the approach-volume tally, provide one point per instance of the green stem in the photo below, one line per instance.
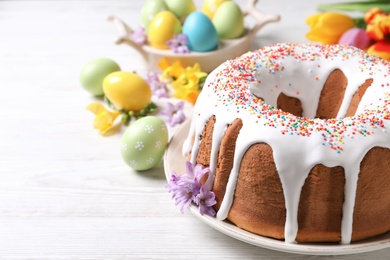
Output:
(360, 23)
(356, 6)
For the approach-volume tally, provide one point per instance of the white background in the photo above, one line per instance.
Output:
(64, 189)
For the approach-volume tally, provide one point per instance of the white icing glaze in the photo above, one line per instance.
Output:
(298, 144)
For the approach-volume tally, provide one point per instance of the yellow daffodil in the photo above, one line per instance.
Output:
(104, 120)
(187, 85)
(185, 81)
(186, 89)
(171, 72)
(195, 73)
(163, 64)
(328, 27)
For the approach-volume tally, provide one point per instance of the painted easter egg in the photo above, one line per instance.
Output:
(229, 21)
(150, 9)
(209, 7)
(144, 142)
(127, 90)
(93, 73)
(200, 31)
(162, 28)
(181, 8)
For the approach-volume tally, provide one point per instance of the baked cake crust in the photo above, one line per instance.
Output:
(297, 140)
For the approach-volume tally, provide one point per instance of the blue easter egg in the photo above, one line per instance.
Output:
(201, 33)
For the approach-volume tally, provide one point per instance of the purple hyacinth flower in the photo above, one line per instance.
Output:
(205, 200)
(175, 113)
(179, 44)
(157, 86)
(139, 36)
(186, 188)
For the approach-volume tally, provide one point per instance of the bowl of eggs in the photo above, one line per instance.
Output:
(212, 36)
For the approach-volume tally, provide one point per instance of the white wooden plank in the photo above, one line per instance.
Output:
(64, 190)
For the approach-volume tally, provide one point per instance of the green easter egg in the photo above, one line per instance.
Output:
(144, 142)
(93, 73)
(150, 9)
(228, 20)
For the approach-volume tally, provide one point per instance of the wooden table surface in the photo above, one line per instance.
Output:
(64, 189)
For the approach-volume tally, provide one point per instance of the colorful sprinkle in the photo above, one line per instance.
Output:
(232, 85)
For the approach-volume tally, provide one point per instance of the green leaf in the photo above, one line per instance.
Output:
(356, 6)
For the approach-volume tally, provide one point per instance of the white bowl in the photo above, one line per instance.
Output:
(227, 49)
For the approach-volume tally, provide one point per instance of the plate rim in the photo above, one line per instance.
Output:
(228, 228)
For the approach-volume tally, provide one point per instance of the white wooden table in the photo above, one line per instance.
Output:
(64, 190)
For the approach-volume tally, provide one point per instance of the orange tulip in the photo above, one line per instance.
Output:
(380, 49)
(379, 26)
(371, 14)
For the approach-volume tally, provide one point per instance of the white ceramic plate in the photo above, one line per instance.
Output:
(174, 161)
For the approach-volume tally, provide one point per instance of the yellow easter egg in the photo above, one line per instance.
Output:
(162, 28)
(127, 90)
(209, 7)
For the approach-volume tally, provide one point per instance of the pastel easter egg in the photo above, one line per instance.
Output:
(93, 73)
(229, 21)
(200, 31)
(144, 142)
(162, 28)
(127, 90)
(181, 8)
(209, 7)
(150, 9)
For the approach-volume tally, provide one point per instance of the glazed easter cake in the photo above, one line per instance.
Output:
(297, 141)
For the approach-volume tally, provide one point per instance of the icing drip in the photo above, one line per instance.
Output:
(234, 90)
(219, 130)
(351, 179)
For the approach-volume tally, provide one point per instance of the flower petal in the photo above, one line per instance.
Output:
(176, 69)
(104, 119)
(96, 108)
(163, 64)
(371, 14)
(356, 37)
(189, 168)
(380, 49)
(328, 27)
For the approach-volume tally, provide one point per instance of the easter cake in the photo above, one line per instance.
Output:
(297, 140)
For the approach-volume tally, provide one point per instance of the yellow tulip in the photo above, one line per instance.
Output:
(104, 120)
(328, 27)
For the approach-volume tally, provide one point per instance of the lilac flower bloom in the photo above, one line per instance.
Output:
(196, 173)
(152, 77)
(173, 182)
(160, 93)
(157, 86)
(183, 190)
(175, 113)
(183, 195)
(179, 44)
(139, 36)
(186, 188)
(205, 199)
